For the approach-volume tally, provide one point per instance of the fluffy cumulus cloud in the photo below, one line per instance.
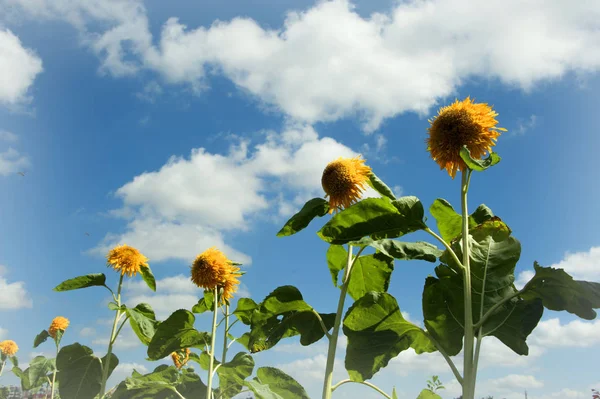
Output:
(327, 61)
(577, 333)
(191, 203)
(19, 67)
(13, 295)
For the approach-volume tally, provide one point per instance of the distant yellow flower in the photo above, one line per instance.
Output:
(180, 358)
(127, 260)
(459, 124)
(344, 180)
(211, 269)
(8, 347)
(59, 323)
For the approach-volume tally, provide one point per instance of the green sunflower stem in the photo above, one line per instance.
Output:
(333, 339)
(2, 363)
(53, 384)
(113, 336)
(468, 365)
(224, 356)
(211, 364)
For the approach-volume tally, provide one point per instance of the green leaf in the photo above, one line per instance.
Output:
(14, 360)
(206, 303)
(40, 338)
(370, 273)
(244, 340)
(203, 360)
(233, 373)
(405, 250)
(79, 372)
(244, 310)
(427, 394)
(479, 164)
(449, 223)
(143, 322)
(114, 362)
(337, 258)
(176, 333)
(90, 280)
(394, 394)
(148, 277)
(379, 186)
(375, 217)
(161, 384)
(558, 291)
(316, 207)
(272, 383)
(34, 376)
(376, 318)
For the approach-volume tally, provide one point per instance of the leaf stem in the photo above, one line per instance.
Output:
(211, 364)
(52, 384)
(468, 381)
(224, 357)
(448, 359)
(2, 366)
(113, 336)
(121, 326)
(491, 311)
(375, 387)
(322, 323)
(448, 247)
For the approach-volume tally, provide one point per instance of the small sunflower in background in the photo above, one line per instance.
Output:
(59, 323)
(127, 260)
(9, 348)
(212, 270)
(459, 124)
(344, 181)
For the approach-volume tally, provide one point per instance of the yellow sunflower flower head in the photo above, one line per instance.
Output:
(211, 269)
(344, 181)
(459, 124)
(58, 324)
(126, 259)
(181, 358)
(9, 348)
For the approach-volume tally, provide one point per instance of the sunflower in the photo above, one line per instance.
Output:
(8, 347)
(211, 269)
(127, 260)
(344, 180)
(58, 324)
(181, 358)
(459, 124)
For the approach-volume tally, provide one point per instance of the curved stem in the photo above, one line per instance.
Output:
(448, 359)
(2, 366)
(322, 323)
(224, 357)
(491, 310)
(121, 326)
(468, 382)
(448, 247)
(211, 364)
(113, 336)
(52, 384)
(375, 387)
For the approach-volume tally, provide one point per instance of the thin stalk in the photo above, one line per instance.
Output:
(491, 311)
(333, 339)
(375, 387)
(448, 359)
(447, 246)
(224, 357)
(322, 323)
(113, 336)
(2, 366)
(54, 374)
(468, 382)
(211, 364)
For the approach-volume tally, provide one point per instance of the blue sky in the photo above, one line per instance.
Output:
(175, 126)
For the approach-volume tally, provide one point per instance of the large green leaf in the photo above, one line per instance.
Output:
(114, 362)
(284, 314)
(376, 333)
(176, 333)
(79, 372)
(370, 273)
(244, 310)
(162, 383)
(272, 383)
(407, 250)
(493, 257)
(206, 303)
(36, 374)
(375, 217)
(449, 223)
(479, 164)
(90, 280)
(337, 258)
(148, 277)
(378, 185)
(558, 291)
(143, 322)
(41, 338)
(316, 207)
(233, 373)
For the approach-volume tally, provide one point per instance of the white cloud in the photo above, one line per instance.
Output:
(13, 295)
(524, 126)
(11, 161)
(19, 67)
(513, 382)
(3, 333)
(5, 135)
(126, 339)
(192, 203)
(150, 92)
(87, 332)
(577, 333)
(328, 62)
(124, 370)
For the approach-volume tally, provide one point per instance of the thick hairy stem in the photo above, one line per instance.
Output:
(113, 336)
(468, 381)
(375, 387)
(211, 364)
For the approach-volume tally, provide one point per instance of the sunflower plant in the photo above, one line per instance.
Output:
(471, 295)
(8, 352)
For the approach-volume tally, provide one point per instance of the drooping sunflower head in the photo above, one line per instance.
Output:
(127, 260)
(211, 269)
(9, 348)
(459, 124)
(344, 181)
(59, 323)
(180, 358)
